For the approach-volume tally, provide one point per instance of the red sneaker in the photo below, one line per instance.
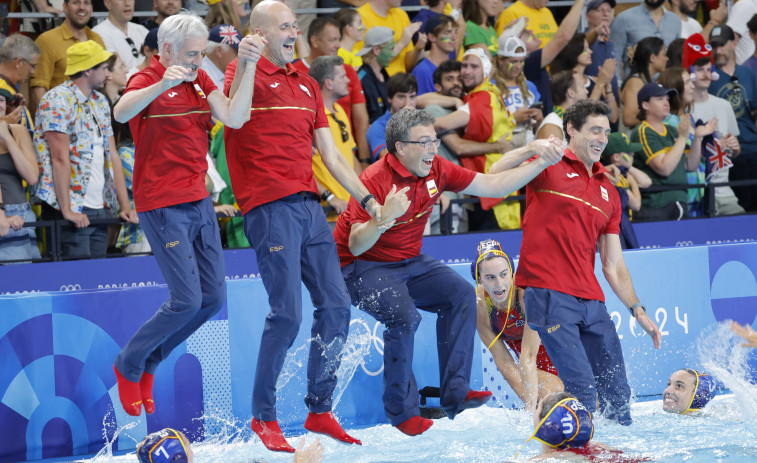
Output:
(145, 389)
(325, 423)
(415, 426)
(270, 433)
(128, 393)
(475, 399)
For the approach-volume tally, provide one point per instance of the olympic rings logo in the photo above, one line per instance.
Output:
(76, 287)
(375, 341)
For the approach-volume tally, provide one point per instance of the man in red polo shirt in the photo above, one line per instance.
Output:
(390, 279)
(270, 164)
(571, 209)
(169, 105)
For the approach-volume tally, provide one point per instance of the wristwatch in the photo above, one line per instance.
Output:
(638, 304)
(2, 207)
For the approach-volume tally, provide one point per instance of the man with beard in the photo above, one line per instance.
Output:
(164, 8)
(737, 85)
(270, 164)
(53, 44)
(684, 9)
(81, 177)
(649, 19)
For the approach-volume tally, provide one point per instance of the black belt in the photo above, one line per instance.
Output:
(301, 195)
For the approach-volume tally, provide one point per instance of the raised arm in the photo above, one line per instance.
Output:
(364, 235)
(463, 148)
(564, 33)
(518, 156)
(452, 121)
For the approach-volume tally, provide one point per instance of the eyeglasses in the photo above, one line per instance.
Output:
(134, 51)
(343, 128)
(33, 66)
(428, 145)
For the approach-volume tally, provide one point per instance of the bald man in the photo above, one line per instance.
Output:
(271, 172)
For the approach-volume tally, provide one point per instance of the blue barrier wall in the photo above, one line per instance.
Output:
(58, 395)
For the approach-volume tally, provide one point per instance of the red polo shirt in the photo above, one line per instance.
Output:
(403, 240)
(566, 211)
(356, 95)
(271, 155)
(170, 140)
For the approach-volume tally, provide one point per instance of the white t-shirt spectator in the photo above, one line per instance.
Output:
(690, 27)
(740, 14)
(723, 111)
(127, 46)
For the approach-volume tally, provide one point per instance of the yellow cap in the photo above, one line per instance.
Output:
(85, 55)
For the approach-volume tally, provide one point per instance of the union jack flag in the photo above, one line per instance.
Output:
(716, 156)
(229, 35)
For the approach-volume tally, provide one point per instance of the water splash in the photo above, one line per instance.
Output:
(356, 349)
(110, 426)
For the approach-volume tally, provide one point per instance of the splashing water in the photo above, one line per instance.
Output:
(109, 426)
(721, 355)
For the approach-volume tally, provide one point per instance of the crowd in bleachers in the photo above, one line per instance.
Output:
(679, 77)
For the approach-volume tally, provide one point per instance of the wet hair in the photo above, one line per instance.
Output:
(18, 46)
(324, 67)
(345, 17)
(401, 83)
(577, 114)
(675, 53)
(446, 67)
(567, 59)
(560, 84)
(646, 47)
(673, 78)
(175, 29)
(551, 400)
(319, 24)
(399, 125)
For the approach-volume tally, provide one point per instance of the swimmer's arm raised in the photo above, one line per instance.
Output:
(616, 273)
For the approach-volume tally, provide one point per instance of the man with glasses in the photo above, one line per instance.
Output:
(81, 177)
(121, 35)
(329, 72)
(19, 56)
(388, 277)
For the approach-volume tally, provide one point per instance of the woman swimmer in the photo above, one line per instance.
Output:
(688, 391)
(500, 315)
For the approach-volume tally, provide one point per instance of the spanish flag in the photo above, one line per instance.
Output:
(489, 121)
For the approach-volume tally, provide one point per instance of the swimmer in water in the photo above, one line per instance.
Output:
(746, 332)
(172, 446)
(565, 428)
(688, 391)
(500, 317)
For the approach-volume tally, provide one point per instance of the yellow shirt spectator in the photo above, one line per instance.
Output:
(396, 20)
(341, 130)
(52, 61)
(350, 58)
(540, 21)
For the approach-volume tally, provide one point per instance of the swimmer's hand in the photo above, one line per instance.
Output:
(311, 454)
(746, 332)
(649, 326)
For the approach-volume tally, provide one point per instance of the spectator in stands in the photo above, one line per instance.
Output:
(329, 72)
(17, 165)
(81, 177)
(401, 89)
(648, 60)
(649, 19)
(149, 48)
(479, 32)
(618, 159)
(684, 9)
(115, 83)
(535, 66)
(53, 44)
(567, 88)
(737, 85)
(352, 31)
(164, 8)
(576, 56)
(121, 35)
(599, 16)
(540, 19)
(519, 94)
(19, 56)
(741, 12)
(485, 119)
(323, 38)
(436, 8)
(664, 155)
(388, 13)
(376, 54)
(751, 62)
(442, 35)
(675, 53)
(222, 12)
(221, 49)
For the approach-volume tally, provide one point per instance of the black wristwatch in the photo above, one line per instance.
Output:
(638, 304)
(364, 201)
(2, 207)
(325, 195)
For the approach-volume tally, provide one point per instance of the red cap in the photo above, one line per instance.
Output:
(695, 48)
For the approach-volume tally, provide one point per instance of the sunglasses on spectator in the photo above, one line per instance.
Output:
(343, 128)
(134, 51)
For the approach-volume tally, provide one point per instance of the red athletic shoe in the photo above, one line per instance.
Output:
(415, 426)
(128, 393)
(270, 433)
(145, 389)
(475, 399)
(325, 423)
